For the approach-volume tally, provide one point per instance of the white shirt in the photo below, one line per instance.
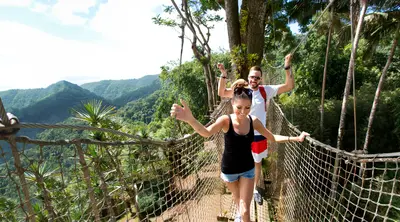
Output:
(10, 117)
(258, 104)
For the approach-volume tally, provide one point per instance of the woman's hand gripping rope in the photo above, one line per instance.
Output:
(302, 136)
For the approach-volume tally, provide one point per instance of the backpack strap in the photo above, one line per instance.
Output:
(263, 94)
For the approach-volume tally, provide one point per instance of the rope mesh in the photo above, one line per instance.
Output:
(86, 180)
(302, 176)
(137, 180)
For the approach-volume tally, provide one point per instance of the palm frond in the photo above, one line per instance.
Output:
(344, 35)
(93, 112)
(379, 25)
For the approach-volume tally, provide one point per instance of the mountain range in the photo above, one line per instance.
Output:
(53, 104)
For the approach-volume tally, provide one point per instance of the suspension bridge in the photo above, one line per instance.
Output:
(140, 179)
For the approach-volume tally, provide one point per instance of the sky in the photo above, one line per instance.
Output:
(45, 41)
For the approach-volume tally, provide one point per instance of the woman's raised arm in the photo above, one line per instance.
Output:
(184, 113)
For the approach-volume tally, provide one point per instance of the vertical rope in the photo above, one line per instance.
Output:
(120, 175)
(17, 187)
(86, 177)
(180, 185)
(20, 172)
(103, 183)
(41, 184)
(328, 44)
(393, 188)
(60, 158)
(354, 109)
(177, 123)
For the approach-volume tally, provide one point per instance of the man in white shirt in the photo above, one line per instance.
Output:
(261, 95)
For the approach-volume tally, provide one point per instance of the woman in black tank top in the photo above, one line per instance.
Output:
(237, 160)
(236, 150)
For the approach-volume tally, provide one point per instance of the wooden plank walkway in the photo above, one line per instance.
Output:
(209, 207)
(256, 211)
(212, 203)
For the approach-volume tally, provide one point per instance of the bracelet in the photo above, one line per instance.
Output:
(287, 67)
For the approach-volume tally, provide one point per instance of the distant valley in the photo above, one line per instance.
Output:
(53, 104)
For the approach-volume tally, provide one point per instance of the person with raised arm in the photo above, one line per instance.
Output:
(261, 96)
(237, 166)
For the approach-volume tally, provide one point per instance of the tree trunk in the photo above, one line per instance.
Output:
(232, 23)
(214, 86)
(349, 74)
(328, 45)
(209, 88)
(243, 18)
(203, 53)
(344, 103)
(379, 88)
(257, 10)
(249, 29)
(354, 13)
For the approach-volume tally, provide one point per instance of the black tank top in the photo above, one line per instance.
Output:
(237, 157)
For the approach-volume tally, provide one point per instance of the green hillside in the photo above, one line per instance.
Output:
(113, 89)
(55, 106)
(141, 110)
(137, 94)
(49, 105)
(21, 98)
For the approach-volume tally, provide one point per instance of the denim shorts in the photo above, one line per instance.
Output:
(233, 177)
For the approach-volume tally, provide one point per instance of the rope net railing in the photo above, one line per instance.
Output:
(87, 180)
(306, 186)
(178, 180)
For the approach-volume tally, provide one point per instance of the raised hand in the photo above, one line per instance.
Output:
(181, 113)
(288, 59)
(221, 67)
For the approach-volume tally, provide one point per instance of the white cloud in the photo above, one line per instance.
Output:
(17, 3)
(132, 47)
(132, 28)
(32, 58)
(65, 11)
(40, 7)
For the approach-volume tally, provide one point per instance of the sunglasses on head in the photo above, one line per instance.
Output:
(240, 90)
(255, 77)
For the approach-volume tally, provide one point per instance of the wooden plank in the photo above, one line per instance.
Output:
(262, 212)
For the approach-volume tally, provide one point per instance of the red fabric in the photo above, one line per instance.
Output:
(264, 95)
(259, 146)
